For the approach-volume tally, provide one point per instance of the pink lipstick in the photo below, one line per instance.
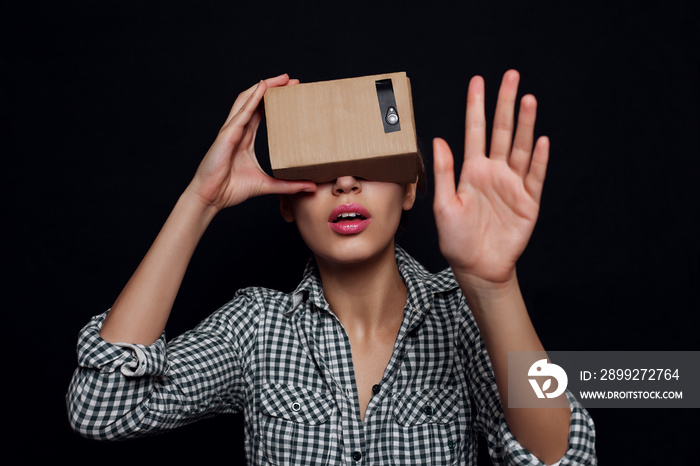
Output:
(349, 219)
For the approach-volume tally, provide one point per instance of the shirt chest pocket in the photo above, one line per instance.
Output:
(427, 427)
(294, 424)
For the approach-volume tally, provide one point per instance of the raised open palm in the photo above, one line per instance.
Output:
(485, 221)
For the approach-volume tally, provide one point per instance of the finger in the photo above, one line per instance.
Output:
(475, 122)
(502, 134)
(251, 128)
(443, 168)
(277, 186)
(255, 119)
(282, 80)
(243, 97)
(534, 181)
(248, 109)
(277, 81)
(524, 135)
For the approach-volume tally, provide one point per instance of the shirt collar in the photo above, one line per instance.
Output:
(421, 284)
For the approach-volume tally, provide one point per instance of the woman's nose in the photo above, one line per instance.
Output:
(346, 185)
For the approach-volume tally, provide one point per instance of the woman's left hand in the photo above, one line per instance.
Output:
(485, 221)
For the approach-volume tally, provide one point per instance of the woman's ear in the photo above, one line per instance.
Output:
(286, 208)
(409, 195)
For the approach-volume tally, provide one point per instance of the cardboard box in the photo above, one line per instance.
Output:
(323, 130)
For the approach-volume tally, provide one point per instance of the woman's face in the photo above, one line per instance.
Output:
(349, 220)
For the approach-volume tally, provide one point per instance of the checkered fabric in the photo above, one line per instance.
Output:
(285, 361)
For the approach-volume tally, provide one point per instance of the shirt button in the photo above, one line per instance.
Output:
(429, 410)
(357, 456)
(376, 389)
(296, 406)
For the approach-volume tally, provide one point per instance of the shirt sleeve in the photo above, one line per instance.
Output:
(124, 390)
(489, 419)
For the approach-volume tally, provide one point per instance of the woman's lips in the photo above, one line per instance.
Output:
(349, 219)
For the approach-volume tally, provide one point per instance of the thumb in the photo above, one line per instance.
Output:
(443, 167)
(277, 186)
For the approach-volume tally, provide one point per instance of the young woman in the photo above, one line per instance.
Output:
(372, 359)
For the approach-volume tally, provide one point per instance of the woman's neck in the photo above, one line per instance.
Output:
(367, 297)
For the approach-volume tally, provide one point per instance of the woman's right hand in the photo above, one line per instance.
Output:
(230, 173)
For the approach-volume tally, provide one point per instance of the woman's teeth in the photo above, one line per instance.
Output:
(348, 216)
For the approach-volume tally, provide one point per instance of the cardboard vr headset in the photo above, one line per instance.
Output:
(362, 127)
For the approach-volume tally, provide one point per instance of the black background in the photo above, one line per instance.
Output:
(108, 107)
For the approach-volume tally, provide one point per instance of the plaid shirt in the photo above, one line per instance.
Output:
(285, 361)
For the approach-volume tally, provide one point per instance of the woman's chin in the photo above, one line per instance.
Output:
(354, 252)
